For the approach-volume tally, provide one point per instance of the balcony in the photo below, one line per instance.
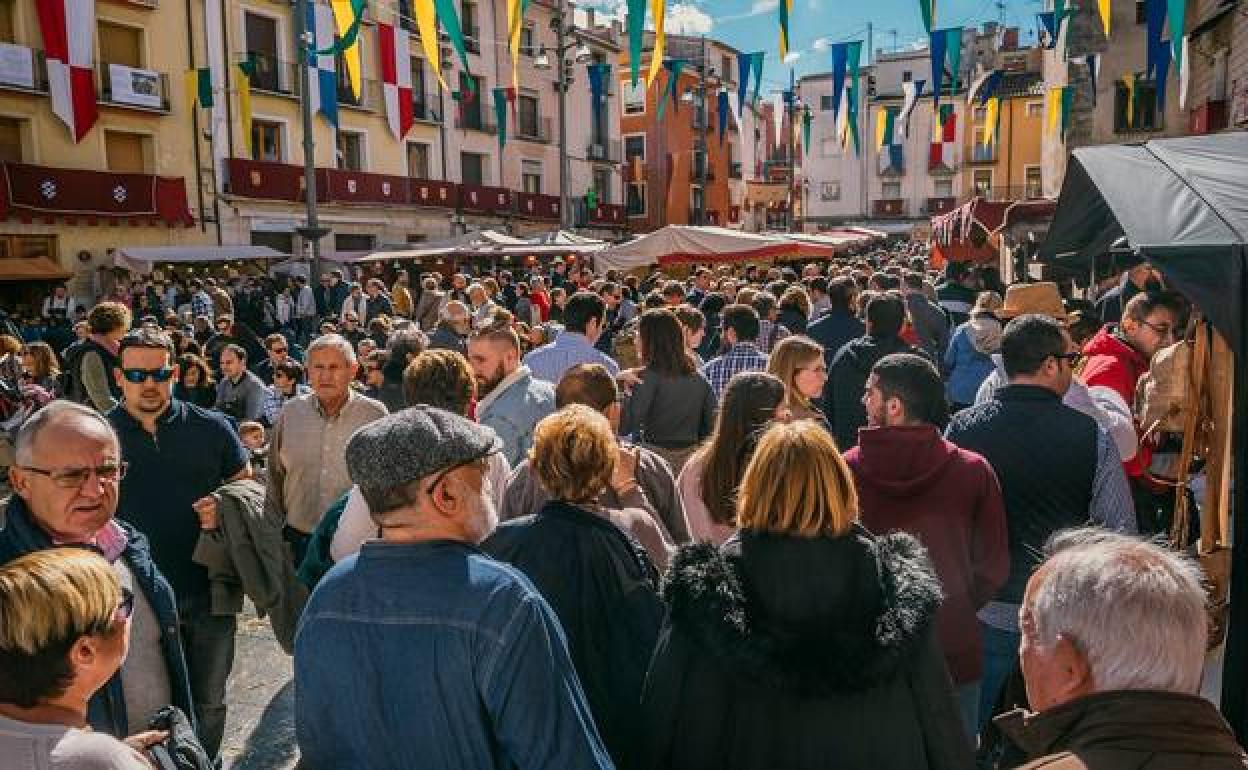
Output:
(1026, 192)
(78, 196)
(368, 99)
(28, 69)
(983, 154)
(474, 119)
(423, 112)
(533, 128)
(941, 205)
(472, 40)
(610, 151)
(888, 208)
(485, 199)
(272, 75)
(608, 214)
(538, 206)
(133, 88)
(695, 173)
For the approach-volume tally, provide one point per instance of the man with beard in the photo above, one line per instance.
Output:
(421, 630)
(511, 399)
(177, 454)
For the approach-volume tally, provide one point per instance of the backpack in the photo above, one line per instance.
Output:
(69, 381)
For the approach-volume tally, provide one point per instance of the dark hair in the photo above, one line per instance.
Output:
(841, 292)
(273, 339)
(713, 304)
(913, 280)
(188, 361)
(817, 283)
(29, 679)
(653, 300)
(690, 318)
(588, 384)
(439, 378)
(149, 339)
(747, 406)
(405, 344)
(673, 289)
(582, 307)
(1030, 340)
(662, 344)
(743, 320)
(237, 350)
(885, 314)
(914, 381)
(291, 368)
(764, 302)
(1142, 305)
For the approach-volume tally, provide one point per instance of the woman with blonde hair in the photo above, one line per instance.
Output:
(803, 641)
(800, 364)
(598, 580)
(64, 632)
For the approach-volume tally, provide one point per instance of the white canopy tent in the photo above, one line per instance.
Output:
(678, 244)
(142, 260)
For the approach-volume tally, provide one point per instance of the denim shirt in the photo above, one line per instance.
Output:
(433, 655)
(514, 408)
(106, 711)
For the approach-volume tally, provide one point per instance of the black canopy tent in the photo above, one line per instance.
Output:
(1182, 205)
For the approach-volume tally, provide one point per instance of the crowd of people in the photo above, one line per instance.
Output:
(854, 514)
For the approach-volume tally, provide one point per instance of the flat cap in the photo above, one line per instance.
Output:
(414, 443)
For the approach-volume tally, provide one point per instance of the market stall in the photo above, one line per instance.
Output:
(1182, 206)
(188, 259)
(984, 232)
(683, 244)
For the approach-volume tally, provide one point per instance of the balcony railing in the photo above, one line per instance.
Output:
(133, 88)
(886, 208)
(695, 173)
(475, 119)
(1011, 193)
(610, 151)
(38, 80)
(423, 111)
(533, 128)
(272, 75)
(941, 205)
(367, 99)
(472, 41)
(982, 153)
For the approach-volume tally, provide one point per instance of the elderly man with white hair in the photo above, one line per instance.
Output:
(307, 465)
(1114, 631)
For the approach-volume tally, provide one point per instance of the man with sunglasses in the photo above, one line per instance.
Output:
(66, 488)
(178, 454)
(1057, 467)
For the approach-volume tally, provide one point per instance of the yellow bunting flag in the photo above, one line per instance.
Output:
(515, 24)
(427, 23)
(990, 120)
(1104, 6)
(1128, 80)
(658, 8)
(1053, 107)
(881, 125)
(192, 89)
(244, 107)
(344, 17)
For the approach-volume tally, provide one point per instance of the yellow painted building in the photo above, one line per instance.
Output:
(143, 127)
(1009, 167)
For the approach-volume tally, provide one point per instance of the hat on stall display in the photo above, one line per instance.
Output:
(1041, 298)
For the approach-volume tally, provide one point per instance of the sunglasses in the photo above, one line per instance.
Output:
(73, 478)
(138, 376)
(279, 350)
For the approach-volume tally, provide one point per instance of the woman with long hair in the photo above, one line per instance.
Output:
(708, 482)
(800, 365)
(803, 641)
(794, 307)
(672, 409)
(41, 367)
(64, 632)
(195, 383)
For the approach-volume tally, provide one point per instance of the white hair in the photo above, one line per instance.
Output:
(57, 411)
(333, 342)
(1135, 609)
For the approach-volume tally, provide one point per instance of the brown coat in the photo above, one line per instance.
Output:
(1126, 730)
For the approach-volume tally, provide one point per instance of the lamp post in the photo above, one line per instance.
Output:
(311, 232)
(566, 39)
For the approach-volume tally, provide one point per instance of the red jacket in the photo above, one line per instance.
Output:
(910, 479)
(1109, 362)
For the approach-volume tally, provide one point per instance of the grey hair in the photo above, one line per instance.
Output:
(1135, 609)
(24, 444)
(333, 342)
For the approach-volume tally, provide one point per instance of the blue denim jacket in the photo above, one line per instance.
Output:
(515, 411)
(106, 712)
(433, 655)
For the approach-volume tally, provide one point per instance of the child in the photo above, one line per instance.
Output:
(256, 440)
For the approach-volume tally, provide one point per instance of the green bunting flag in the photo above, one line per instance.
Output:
(500, 115)
(928, 9)
(450, 24)
(756, 63)
(807, 119)
(636, 33)
(203, 86)
(674, 68)
(953, 50)
(348, 38)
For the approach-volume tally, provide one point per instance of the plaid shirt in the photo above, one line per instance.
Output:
(201, 304)
(742, 357)
(274, 401)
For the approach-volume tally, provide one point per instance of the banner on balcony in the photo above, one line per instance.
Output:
(199, 87)
(393, 46)
(636, 33)
(785, 10)
(515, 25)
(992, 114)
(500, 115)
(17, 65)
(130, 85)
(912, 91)
(658, 9)
(322, 77)
(68, 30)
(721, 112)
(943, 152)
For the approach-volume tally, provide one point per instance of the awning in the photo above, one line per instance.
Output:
(32, 269)
(679, 244)
(990, 217)
(143, 259)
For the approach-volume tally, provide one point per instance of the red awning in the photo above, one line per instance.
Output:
(989, 216)
(29, 192)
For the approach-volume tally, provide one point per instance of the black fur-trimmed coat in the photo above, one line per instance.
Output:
(785, 653)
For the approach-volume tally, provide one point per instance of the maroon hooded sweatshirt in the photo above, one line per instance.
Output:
(912, 480)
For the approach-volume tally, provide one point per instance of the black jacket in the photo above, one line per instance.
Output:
(847, 376)
(794, 653)
(604, 589)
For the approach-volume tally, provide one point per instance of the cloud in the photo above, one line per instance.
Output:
(821, 43)
(792, 56)
(763, 6)
(688, 19)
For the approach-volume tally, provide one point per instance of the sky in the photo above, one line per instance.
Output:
(752, 25)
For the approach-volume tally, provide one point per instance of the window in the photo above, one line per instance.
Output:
(699, 164)
(27, 246)
(726, 69)
(526, 116)
(1035, 109)
(982, 182)
(1141, 15)
(697, 204)
(634, 98)
(472, 168)
(283, 243)
(10, 140)
(944, 188)
(472, 33)
(637, 200)
(418, 160)
(1033, 182)
(267, 142)
(417, 238)
(635, 147)
(528, 40)
(471, 110)
(906, 76)
(1143, 107)
(980, 152)
(602, 184)
(531, 176)
(407, 19)
(350, 150)
(261, 34)
(354, 242)
(420, 99)
(6, 21)
(980, 114)
(830, 191)
(890, 190)
(126, 152)
(120, 45)
(829, 148)
(825, 102)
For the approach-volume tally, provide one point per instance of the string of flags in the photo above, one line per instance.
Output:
(846, 60)
(785, 10)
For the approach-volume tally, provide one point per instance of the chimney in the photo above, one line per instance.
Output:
(1010, 41)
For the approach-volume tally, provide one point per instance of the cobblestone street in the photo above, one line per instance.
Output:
(260, 728)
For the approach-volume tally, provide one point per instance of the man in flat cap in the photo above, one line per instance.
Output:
(421, 651)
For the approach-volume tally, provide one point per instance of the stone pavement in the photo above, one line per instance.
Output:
(260, 725)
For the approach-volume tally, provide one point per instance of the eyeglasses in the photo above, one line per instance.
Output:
(73, 478)
(126, 608)
(138, 376)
